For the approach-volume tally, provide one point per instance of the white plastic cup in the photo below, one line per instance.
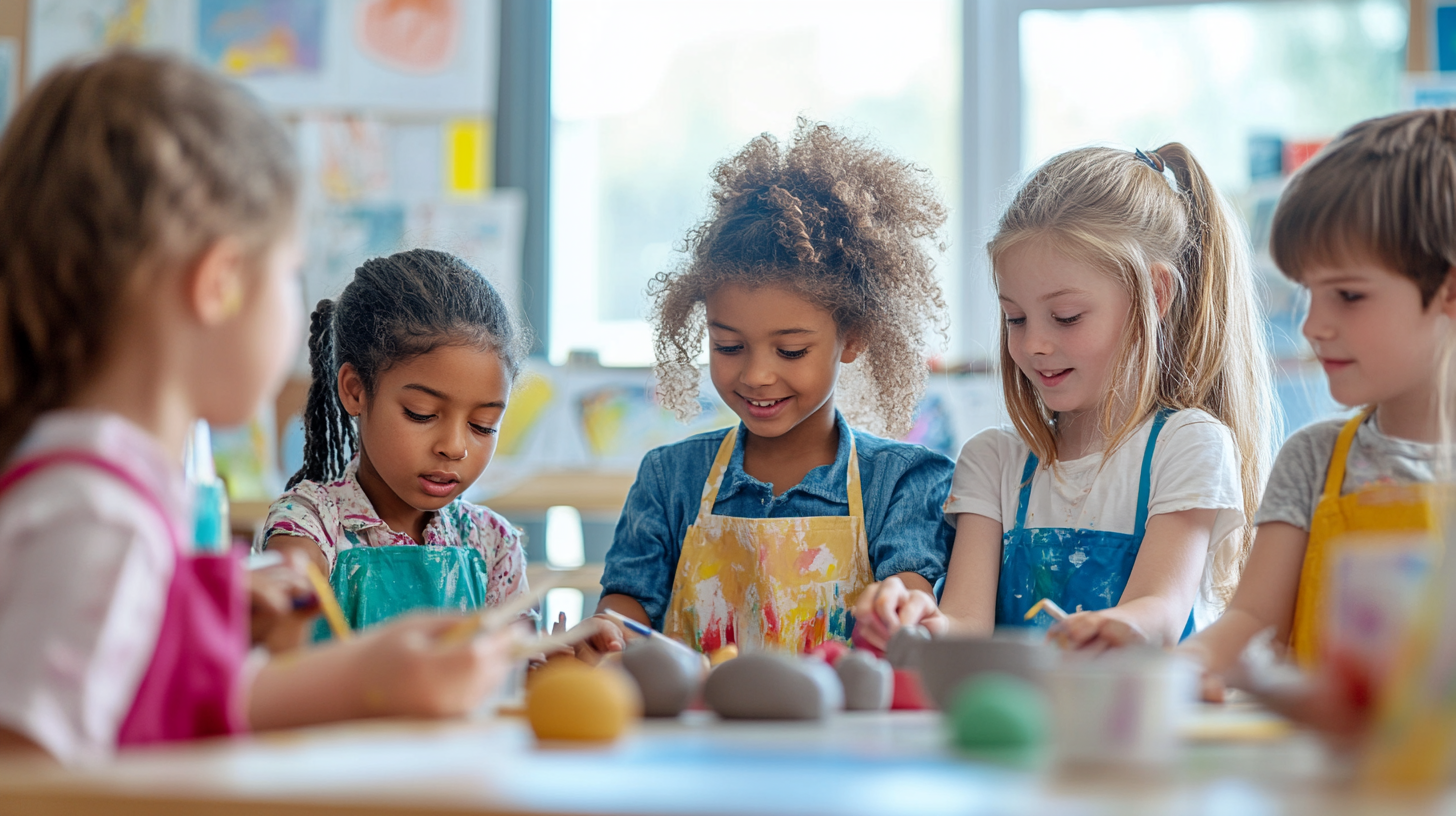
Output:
(1123, 708)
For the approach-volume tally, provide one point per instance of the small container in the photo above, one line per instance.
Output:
(1122, 708)
(211, 530)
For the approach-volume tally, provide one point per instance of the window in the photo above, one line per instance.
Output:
(647, 95)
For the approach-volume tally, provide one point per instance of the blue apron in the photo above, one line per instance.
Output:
(375, 584)
(1081, 570)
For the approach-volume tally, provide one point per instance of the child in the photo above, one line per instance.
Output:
(1134, 371)
(420, 351)
(813, 258)
(149, 279)
(1367, 227)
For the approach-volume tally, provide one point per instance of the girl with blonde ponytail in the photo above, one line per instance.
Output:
(1139, 389)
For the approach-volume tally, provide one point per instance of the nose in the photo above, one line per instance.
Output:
(1317, 327)
(1035, 342)
(759, 371)
(451, 444)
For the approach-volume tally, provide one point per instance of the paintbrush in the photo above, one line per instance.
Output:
(488, 620)
(1049, 606)
(638, 628)
(327, 601)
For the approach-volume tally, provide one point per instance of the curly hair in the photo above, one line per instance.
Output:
(838, 222)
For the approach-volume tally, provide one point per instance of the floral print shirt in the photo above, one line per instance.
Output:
(338, 516)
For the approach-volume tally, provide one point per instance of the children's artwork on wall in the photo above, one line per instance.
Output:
(529, 400)
(416, 166)
(354, 159)
(624, 421)
(467, 150)
(934, 427)
(246, 458)
(1443, 32)
(246, 38)
(420, 55)
(342, 237)
(63, 29)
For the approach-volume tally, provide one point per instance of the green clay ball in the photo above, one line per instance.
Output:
(998, 711)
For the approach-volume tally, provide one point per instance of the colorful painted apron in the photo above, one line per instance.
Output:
(1081, 570)
(786, 583)
(1377, 508)
(374, 584)
(187, 690)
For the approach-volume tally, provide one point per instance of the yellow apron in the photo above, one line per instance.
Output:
(1378, 508)
(786, 583)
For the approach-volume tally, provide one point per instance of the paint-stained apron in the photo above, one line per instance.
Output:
(1081, 570)
(374, 584)
(187, 689)
(1378, 508)
(786, 583)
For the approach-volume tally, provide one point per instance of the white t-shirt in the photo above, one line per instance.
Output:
(1195, 466)
(84, 570)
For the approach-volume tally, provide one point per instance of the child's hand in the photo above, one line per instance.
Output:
(405, 670)
(606, 637)
(1095, 632)
(1211, 686)
(888, 605)
(281, 606)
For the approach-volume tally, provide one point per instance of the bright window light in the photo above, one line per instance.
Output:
(564, 549)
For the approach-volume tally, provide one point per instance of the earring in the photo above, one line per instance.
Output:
(232, 302)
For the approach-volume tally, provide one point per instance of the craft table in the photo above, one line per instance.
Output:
(854, 763)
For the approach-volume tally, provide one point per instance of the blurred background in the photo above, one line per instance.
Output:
(564, 148)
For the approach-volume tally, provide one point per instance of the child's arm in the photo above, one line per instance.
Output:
(968, 602)
(1265, 597)
(401, 668)
(308, 548)
(1160, 591)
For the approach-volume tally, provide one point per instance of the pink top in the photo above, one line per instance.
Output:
(85, 569)
(338, 516)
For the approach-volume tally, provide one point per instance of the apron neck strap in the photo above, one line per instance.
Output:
(1145, 477)
(725, 455)
(1335, 475)
(1024, 499)
(25, 468)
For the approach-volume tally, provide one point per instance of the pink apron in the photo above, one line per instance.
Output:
(187, 690)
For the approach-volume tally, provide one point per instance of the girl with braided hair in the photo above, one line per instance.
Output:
(813, 262)
(149, 278)
(412, 368)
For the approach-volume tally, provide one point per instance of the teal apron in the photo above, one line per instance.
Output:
(375, 584)
(1081, 570)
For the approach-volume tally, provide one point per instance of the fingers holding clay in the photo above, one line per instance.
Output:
(906, 646)
(773, 686)
(667, 676)
(869, 682)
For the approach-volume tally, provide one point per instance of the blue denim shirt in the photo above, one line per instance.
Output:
(904, 487)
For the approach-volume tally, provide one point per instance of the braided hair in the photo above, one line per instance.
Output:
(395, 309)
(838, 222)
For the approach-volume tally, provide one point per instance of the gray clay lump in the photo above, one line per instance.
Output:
(667, 676)
(869, 682)
(773, 686)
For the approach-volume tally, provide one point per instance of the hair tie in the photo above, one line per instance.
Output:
(1153, 160)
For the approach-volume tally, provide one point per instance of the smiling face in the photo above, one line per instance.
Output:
(1368, 328)
(430, 427)
(1064, 325)
(774, 356)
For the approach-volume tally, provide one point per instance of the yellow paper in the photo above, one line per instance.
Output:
(468, 147)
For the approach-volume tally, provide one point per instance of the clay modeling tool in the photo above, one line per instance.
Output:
(638, 628)
(327, 601)
(488, 620)
(1049, 606)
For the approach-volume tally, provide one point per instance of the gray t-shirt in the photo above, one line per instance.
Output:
(1299, 472)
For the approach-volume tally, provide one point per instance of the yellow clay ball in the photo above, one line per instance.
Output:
(723, 655)
(573, 702)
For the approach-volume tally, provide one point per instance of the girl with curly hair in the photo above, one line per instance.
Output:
(813, 263)
(1133, 363)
